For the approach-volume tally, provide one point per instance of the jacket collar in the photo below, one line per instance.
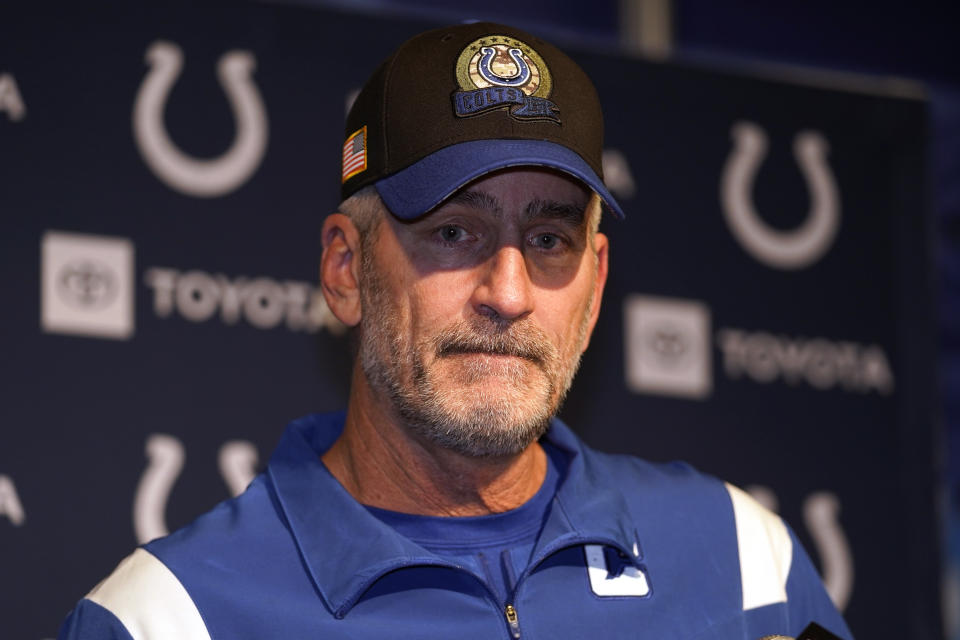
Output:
(326, 522)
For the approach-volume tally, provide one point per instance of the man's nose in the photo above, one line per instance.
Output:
(504, 291)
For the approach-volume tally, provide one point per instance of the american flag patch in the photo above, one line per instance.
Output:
(355, 154)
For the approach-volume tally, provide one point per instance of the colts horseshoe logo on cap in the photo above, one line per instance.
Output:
(501, 72)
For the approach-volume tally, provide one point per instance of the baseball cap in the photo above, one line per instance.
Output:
(453, 104)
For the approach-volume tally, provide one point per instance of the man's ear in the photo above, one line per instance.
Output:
(340, 268)
(602, 247)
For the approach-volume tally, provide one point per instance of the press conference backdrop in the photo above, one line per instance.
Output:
(164, 176)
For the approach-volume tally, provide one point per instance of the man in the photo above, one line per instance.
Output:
(447, 502)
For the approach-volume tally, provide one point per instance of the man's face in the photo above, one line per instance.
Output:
(474, 317)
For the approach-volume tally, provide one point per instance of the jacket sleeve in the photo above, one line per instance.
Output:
(779, 584)
(141, 600)
(89, 621)
(807, 599)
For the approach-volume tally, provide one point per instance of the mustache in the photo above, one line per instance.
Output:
(521, 341)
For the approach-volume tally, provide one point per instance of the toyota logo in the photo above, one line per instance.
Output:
(87, 284)
(668, 346)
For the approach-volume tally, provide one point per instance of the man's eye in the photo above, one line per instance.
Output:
(546, 240)
(451, 233)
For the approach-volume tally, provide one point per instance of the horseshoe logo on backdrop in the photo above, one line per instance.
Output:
(165, 457)
(165, 454)
(821, 515)
(800, 247)
(189, 175)
(238, 463)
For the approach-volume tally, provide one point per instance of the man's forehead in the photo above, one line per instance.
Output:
(568, 209)
(530, 193)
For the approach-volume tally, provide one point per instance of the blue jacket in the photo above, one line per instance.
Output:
(629, 549)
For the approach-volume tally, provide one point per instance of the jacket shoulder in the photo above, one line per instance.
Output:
(148, 600)
(666, 481)
(677, 502)
(248, 521)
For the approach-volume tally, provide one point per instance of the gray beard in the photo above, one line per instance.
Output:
(472, 425)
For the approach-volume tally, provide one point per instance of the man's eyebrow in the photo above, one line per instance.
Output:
(478, 200)
(563, 211)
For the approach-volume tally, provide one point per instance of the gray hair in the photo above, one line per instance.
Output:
(365, 209)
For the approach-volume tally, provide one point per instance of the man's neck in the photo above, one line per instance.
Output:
(381, 464)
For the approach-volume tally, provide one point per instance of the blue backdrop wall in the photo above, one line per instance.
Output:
(165, 172)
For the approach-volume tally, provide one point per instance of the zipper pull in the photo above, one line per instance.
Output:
(512, 621)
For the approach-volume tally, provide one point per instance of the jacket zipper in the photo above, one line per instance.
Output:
(511, 614)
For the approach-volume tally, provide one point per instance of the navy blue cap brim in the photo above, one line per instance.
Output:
(415, 190)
